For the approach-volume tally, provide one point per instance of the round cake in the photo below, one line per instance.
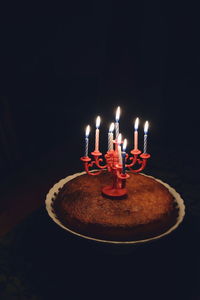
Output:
(148, 210)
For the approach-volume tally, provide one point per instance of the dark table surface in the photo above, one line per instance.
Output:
(40, 259)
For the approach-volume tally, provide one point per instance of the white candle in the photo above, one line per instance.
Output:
(117, 122)
(87, 132)
(98, 120)
(124, 156)
(146, 127)
(136, 134)
(110, 137)
(119, 139)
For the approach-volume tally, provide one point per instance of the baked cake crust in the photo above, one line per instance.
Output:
(148, 210)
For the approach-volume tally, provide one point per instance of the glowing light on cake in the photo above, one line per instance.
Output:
(136, 134)
(110, 136)
(146, 128)
(119, 141)
(117, 122)
(87, 132)
(98, 121)
(124, 156)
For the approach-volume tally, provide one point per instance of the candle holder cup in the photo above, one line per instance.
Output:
(112, 164)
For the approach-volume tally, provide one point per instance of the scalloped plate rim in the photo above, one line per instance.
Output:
(50, 198)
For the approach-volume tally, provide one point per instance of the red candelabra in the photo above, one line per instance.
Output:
(112, 164)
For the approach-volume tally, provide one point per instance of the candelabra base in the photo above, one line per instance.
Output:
(110, 192)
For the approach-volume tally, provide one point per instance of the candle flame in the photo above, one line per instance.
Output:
(112, 126)
(98, 120)
(119, 139)
(87, 131)
(124, 145)
(146, 127)
(136, 123)
(117, 114)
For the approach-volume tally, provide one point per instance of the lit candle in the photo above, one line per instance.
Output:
(119, 139)
(87, 132)
(146, 127)
(98, 120)
(124, 156)
(110, 137)
(136, 134)
(117, 122)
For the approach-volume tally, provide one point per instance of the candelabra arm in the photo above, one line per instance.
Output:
(88, 164)
(134, 159)
(98, 160)
(142, 162)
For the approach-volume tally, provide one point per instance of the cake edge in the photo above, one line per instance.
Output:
(51, 196)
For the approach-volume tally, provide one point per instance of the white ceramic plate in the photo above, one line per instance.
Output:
(54, 190)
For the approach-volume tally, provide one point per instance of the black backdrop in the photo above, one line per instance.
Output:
(63, 65)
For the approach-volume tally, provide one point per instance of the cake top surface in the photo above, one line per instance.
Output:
(147, 201)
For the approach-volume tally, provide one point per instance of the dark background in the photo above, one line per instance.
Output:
(61, 66)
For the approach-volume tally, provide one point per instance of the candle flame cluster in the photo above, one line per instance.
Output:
(146, 127)
(87, 131)
(136, 124)
(117, 160)
(98, 121)
(117, 114)
(112, 127)
(118, 136)
(124, 145)
(119, 139)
